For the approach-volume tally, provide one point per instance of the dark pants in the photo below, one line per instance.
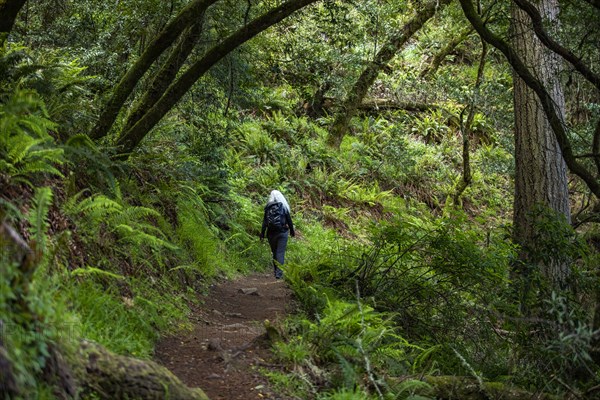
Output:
(278, 242)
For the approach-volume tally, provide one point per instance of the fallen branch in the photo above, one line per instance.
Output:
(390, 105)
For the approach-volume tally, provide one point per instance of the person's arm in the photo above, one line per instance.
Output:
(264, 225)
(288, 219)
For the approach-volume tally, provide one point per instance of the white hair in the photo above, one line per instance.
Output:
(277, 197)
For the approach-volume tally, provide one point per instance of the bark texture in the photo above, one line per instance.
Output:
(544, 94)
(370, 73)
(541, 172)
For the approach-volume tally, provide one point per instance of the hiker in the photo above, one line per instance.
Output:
(277, 222)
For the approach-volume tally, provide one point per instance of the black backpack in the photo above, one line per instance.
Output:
(276, 216)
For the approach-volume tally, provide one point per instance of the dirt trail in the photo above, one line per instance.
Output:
(222, 353)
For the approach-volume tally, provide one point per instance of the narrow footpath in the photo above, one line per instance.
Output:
(228, 345)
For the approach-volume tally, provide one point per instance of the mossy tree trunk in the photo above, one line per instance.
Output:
(129, 139)
(167, 73)
(441, 55)
(370, 73)
(169, 35)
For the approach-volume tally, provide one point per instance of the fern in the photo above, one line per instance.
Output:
(38, 216)
(26, 147)
(413, 389)
(83, 154)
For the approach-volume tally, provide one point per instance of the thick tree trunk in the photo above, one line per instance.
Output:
(541, 172)
(370, 73)
(9, 9)
(132, 137)
(543, 93)
(164, 40)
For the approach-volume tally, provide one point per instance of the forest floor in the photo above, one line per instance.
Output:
(227, 348)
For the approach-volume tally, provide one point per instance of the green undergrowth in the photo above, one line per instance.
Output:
(395, 275)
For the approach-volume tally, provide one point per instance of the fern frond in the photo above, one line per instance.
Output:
(17, 147)
(136, 213)
(37, 125)
(37, 166)
(98, 206)
(70, 205)
(136, 236)
(81, 140)
(38, 215)
(413, 387)
(9, 209)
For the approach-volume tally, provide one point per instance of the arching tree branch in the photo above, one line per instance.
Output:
(132, 137)
(553, 45)
(188, 16)
(545, 99)
(167, 73)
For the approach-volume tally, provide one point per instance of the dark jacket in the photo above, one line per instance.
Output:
(288, 224)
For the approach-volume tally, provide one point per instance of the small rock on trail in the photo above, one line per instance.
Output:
(228, 344)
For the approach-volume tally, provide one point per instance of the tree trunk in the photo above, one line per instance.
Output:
(368, 76)
(167, 73)
(9, 9)
(129, 139)
(432, 68)
(465, 127)
(541, 172)
(543, 93)
(164, 40)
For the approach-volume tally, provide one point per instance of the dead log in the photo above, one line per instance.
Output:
(378, 105)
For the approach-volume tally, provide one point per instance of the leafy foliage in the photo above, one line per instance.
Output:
(392, 279)
(27, 149)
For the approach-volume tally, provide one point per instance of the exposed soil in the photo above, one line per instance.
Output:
(228, 344)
